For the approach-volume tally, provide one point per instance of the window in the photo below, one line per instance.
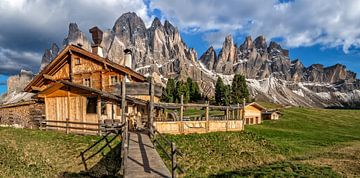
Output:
(77, 61)
(91, 105)
(114, 80)
(87, 82)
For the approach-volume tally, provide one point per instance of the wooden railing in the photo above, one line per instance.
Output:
(118, 130)
(158, 139)
(65, 124)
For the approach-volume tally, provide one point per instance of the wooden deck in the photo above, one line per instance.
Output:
(143, 159)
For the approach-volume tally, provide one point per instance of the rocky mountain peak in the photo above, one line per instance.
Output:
(248, 43)
(209, 58)
(16, 83)
(77, 37)
(260, 42)
(48, 56)
(128, 27)
(156, 23)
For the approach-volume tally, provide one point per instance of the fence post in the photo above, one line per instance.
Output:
(182, 114)
(207, 116)
(99, 127)
(151, 105)
(67, 126)
(173, 160)
(227, 118)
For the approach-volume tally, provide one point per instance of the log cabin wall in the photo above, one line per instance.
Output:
(252, 115)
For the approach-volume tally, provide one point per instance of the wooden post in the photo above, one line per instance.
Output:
(67, 126)
(243, 113)
(181, 114)
(99, 113)
(69, 114)
(207, 116)
(173, 160)
(123, 101)
(124, 142)
(46, 112)
(227, 118)
(151, 105)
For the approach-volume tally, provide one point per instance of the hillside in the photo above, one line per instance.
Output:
(304, 142)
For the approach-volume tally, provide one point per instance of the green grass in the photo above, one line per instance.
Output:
(299, 135)
(303, 143)
(303, 130)
(35, 153)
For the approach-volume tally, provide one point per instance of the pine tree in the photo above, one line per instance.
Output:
(227, 95)
(193, 89)
(219, 91)
(169, 92)
(182, 89)
(239, 89)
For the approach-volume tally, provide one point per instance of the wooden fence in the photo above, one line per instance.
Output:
(80, 127)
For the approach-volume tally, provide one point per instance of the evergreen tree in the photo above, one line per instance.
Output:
(194, 90)
(182, 89)
(219, 91)
(227, 95)
(239, 89)
(168, 94)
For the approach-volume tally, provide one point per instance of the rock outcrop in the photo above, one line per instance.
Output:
(48, 56)
(271, 75)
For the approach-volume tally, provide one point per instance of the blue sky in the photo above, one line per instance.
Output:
(313, 31)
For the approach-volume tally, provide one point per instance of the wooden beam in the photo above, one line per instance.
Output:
(37, 88)
(71, 59)
(98, 108)
(49, 77)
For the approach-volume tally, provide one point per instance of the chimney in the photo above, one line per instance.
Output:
(127, 61)
(97, 36)
(128, 58)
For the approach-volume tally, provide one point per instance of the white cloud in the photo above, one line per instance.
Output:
(13, 61)
(32, 25)
(300, 22)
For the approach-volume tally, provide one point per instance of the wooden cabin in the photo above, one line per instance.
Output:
(253, 113)
(83, 87)
(271, 115)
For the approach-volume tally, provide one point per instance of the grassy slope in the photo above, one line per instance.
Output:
(34, 153)
(273, 146)
(300, 144)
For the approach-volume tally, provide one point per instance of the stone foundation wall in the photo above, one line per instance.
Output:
(22, 114)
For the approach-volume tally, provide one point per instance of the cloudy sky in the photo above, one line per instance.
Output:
(321, 31)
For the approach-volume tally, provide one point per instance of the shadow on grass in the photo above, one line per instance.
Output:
(281, 169)
(108, 166)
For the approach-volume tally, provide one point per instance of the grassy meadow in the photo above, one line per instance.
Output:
(35, 153)
(303, 143)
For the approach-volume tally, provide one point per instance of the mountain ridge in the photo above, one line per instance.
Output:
(271, 74)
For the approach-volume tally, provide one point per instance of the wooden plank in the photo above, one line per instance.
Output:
(72, 122)
(37, 88)
(49, 77)
(69, 107)
(144, 160)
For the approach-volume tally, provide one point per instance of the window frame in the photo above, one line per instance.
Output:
(77, 61)
(85, 83)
